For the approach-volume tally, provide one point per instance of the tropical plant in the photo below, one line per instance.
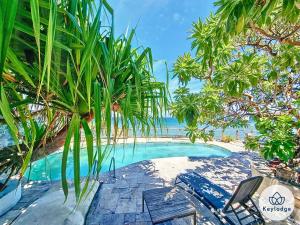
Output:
(62, 68)
(227, 139)
(247, 58)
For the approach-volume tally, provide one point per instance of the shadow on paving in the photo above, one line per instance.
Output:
(30, 193)
(119, 200)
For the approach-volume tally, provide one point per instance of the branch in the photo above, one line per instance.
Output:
(263, 47)
(294, 31)
(283, 40)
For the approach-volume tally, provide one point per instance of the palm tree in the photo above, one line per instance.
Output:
(62, 68)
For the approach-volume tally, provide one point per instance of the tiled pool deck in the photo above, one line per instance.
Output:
(30, 192)
(119, 199)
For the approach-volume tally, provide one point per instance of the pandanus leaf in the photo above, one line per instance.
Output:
(8, 12)
(35, 14)
(7, 115)
(65, 154)
(89, 142)
(76, 156)
(49, 44)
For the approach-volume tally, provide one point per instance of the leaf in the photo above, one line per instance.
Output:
(70, 79)
(76, 156)
(35, 14)
(19, 66)
(89, 143)
(240, 24)
(8, 12)
(111, 11)
(272, 75)
(26, 162)
(65, 156)
(90, 43)
(49, 44)
(97, 112)
(72, 6)
(7, 115)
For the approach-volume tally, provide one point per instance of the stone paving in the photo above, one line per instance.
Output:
(119, 201)
(30, 192)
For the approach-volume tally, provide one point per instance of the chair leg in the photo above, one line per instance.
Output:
(257, 211)
(195, 219)
(236, 215)
(175, 181)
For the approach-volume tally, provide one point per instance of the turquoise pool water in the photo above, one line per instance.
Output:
(50, 168)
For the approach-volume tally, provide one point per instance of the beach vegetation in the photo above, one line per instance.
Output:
(247, 57)
(227, 139)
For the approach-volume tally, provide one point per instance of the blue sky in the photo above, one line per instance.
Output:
(162, 25)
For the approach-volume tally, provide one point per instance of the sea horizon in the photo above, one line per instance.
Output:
(170, 128)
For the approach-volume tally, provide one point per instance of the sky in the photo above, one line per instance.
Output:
(162, 25)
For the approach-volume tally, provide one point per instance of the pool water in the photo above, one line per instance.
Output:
(49, 168)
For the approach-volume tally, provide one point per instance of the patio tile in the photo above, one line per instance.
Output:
(112, 219)
(9, 217)
(129, 217)
(126, 206)
(120, 200)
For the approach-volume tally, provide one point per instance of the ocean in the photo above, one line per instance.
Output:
(170, 128)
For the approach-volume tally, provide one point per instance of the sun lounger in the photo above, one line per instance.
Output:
(222, 203)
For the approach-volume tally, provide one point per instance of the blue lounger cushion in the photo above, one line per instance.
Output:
(216, 196)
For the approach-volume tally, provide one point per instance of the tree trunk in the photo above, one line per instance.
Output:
(53, 144)
(297, 152)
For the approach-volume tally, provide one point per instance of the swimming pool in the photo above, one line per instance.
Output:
(50, 168)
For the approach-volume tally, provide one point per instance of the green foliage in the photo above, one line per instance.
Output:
(194, 133)
(247, 59)
(187, 109)
(238, 13)
(62, 69)
(185, 68)
(8, 11)
(278, 137)
(240, 75)
(252, 143)
(212, 44)
(227, 139)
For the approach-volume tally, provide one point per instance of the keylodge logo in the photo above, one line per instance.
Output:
(276, 202)
(277, 199)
